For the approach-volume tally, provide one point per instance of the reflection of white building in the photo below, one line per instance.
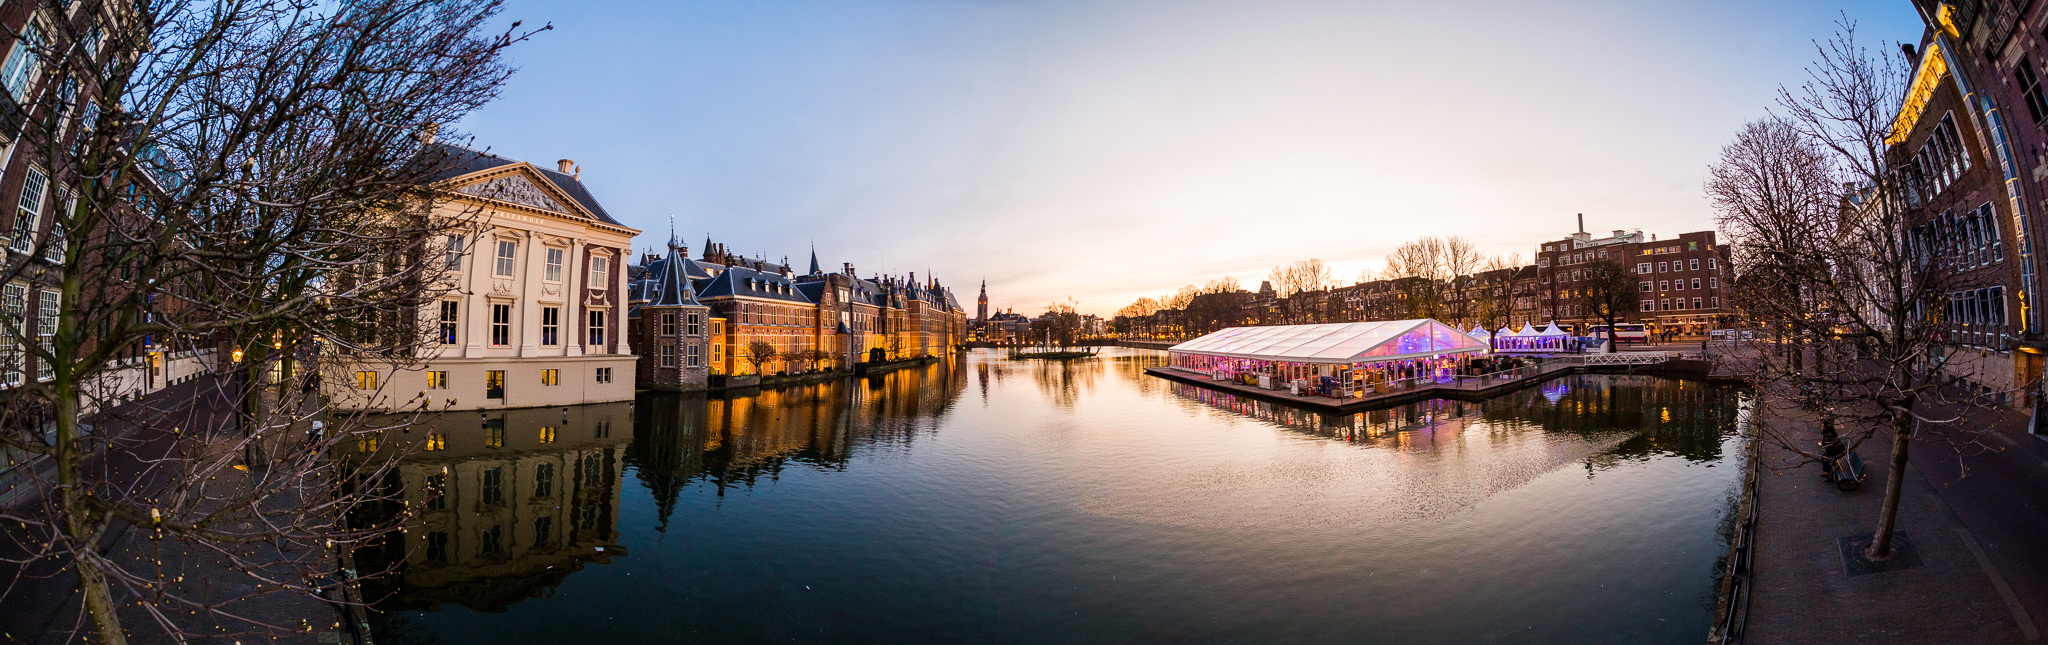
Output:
(536, 318)
(510, 501)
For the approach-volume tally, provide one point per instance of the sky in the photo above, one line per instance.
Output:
(1095, 151)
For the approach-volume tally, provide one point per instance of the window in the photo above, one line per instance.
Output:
(437, 441)
(451, 312)
(550, 325)
(455, 252)
(668, 356)
(1710, 263)
(437, 492)
(437, 546)
(1663, 285)
(21, 66)
(1663, 267)
(46, 333)
(554, 267)
(1648, 287)
(694, 354)
(600, 272)
(1695, 283)
(437, 380)
(494, 433)
(547, 435)
(1714, 301)
(543, 531)
(604, 375)
(367, 443)
(1649, 305)
(29, 210)
(366, 380)
(668, 324)
(1643, 268)
(596, 343)
(494, 485)
(544, 474)
(507, 250)
(501, 324)
(551, 377)
(1695, 303)
(693, 323)
(494, 384)
(2030, 88)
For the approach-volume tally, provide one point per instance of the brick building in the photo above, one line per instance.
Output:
(1680, 280)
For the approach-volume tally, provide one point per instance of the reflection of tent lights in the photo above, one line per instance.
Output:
(1555, 391)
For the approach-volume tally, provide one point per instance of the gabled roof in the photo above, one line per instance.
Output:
(456, 161)
(1335, 342)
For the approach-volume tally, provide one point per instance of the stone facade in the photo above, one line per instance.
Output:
(535, 316)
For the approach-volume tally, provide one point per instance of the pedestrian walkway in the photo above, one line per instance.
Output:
(1960, 593)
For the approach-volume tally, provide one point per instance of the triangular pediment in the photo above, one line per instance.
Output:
(519, 185)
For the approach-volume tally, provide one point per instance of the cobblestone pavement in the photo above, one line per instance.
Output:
(1976, 568)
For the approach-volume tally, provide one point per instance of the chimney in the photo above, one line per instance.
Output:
(1619, 232)
(1582, 222)
(565, 166)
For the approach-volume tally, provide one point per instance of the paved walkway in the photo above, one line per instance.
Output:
(1984, 577)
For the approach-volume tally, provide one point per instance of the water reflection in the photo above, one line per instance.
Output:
(1080, 501)
(513, 502)
(1656, 415)
(510, 503)
(735, 440)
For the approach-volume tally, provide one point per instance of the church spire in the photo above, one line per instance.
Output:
(814, 260)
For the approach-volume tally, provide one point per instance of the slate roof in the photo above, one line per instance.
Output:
(672, 286)
(455, 161)
(745, 282)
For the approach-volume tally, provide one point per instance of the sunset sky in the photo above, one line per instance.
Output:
(1102, 150)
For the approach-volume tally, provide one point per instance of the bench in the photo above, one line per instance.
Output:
(1846, 471)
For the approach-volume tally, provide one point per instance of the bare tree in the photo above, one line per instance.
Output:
(232, 186)
(760, 353)
(1607, 290)
(1817, 216)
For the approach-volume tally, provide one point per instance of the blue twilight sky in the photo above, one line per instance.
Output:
(1102, 150)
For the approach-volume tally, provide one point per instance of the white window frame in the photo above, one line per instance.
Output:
(600, 272)
(28, 210)
(19, 72)
(553, 273)
(46, 331)
(507, 256)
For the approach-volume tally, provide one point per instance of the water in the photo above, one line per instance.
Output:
(1083, 502)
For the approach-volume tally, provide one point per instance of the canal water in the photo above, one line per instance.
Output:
(988, 500)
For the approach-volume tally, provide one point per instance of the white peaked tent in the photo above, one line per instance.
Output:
(1334, 343)
(1479, 332)
(1552, 331)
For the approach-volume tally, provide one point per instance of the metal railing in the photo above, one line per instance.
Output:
(1736, 589)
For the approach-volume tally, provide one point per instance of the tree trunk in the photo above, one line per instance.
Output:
(99, 603)
(81, 526)
(1895, 480)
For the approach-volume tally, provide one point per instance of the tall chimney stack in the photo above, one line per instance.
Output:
(1582, 222)
(564, 166)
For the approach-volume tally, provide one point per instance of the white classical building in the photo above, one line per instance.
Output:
(537, 318)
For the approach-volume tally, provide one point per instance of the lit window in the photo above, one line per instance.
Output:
(435, 441)
(551, 377)
(437, 380)
(366, 380)
(451, 312)
(494, 384)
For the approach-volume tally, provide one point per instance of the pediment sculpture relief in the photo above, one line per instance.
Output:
(515, 189)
